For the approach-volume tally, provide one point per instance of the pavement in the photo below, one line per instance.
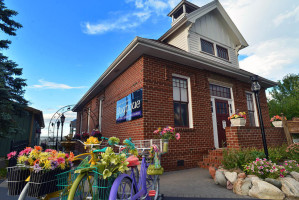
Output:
(190, 184)
(194, 184)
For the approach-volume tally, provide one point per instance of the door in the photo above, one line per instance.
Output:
(222, 114)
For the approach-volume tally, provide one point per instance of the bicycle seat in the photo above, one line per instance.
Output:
(100, 150)
(133, 161)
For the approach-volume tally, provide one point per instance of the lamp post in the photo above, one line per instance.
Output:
(62, 118)
(255, 87)
(58, 124)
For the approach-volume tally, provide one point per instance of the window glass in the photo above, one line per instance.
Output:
(222, 52)
(207, 46)
(250, 108)
(216, 90)
(180, 98)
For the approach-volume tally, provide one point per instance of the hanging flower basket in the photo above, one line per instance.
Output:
(238, 122)
(277, 123)
(16, 177)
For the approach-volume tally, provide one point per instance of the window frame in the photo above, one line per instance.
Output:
(201, 43)
(254, 107)
(224, 49)
(189, 100)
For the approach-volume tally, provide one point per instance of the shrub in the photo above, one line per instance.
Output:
(264, 168)
(291, 165)
(278, 154)
(293, 152)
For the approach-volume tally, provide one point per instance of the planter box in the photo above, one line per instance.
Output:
(238, 122)
(277, 123)
(16, 177)
(43, 182)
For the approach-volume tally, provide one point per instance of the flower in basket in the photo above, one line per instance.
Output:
(112, 164)
(85, 136)
(11, 155)
(168, 133)
(238, 115)
(92, 140)
(113, 141)
(96, 133)
(277, 118)
(77, 136)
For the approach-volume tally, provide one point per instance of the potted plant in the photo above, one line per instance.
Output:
(167, 133)
(97, 134)
(277, 121)
(238, 119)
(85, 136)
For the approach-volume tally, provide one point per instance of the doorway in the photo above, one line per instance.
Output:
(222, 114)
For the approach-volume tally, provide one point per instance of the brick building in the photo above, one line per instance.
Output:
(189, 79)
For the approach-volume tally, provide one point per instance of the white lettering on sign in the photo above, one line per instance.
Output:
(128, 108)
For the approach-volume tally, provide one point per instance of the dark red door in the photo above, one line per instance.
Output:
(222, 114)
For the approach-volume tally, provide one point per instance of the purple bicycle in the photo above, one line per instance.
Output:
(138, 185)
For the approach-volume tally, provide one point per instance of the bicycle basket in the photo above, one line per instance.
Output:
(101, 186)
(65, 181)
(146, 144)
(16, 177)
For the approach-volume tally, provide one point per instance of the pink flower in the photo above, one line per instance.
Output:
(11, 154)
(60, 160)
(177, 136)
(48, 150)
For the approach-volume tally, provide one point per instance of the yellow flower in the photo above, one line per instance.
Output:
(47, 164)
(62, 165)
(30, 160)
(22, 159)
(60, 155)
(92, 140)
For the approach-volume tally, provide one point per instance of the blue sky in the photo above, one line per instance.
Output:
(64, 46)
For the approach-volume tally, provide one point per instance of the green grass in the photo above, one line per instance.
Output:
(3, 173)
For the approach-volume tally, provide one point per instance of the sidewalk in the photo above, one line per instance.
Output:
(195, 182)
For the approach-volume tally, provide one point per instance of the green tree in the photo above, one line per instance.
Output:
(12, 86)
(285, 97)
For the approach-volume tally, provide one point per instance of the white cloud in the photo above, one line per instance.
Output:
(52, 85)
(287, 15)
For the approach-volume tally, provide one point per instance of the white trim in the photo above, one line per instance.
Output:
(190, 117)
(231, 105)
(100, 114)
(88, 115)
(257, 124)
(81, 122)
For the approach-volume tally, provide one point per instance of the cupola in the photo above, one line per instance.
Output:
(183, 8)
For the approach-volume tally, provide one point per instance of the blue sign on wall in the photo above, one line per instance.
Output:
(129, 107)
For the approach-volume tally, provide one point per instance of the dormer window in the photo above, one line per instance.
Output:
(222, 52)
(207, 46)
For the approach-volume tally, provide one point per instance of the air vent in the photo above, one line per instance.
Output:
(180, 163)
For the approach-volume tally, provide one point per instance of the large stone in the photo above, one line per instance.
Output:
(212, 171)
(246, 186)
(220, 178)
(295, 175)
(242, 175)
(229, 185)
(263, 190)
(237, 186)
(290, 187)
(274, 182)
(231, 176)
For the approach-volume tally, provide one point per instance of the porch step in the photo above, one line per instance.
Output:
(213, 158)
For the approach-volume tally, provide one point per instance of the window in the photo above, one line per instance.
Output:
(100, 114)
(207, 46)
(180, 102)
(250, 107)
(219, 91)
(222, 52)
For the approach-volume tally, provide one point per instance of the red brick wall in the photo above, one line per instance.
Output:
(238, 137)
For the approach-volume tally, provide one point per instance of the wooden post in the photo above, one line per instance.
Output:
(31, 129)
(286, 130)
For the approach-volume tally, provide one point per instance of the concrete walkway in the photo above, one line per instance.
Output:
(195, 182)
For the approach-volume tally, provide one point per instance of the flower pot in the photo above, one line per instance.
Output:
(277, 123)
(238, 122)
(165, 146)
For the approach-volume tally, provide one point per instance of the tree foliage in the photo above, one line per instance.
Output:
(12, 86)
(285, 97)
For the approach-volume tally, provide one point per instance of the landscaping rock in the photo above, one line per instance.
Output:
(274, 182)
(212, 171)
(242, 175)
(231, 176)
(220, 178)
(295, 175)
(251, 176)
(290, 187)
(263, 190)
(229, 185)
(246, 186)
(237, 186)
(238, 170)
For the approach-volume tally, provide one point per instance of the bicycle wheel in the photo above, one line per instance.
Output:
(153, 184)
(24, 192)
(82, 187)
(122, 189)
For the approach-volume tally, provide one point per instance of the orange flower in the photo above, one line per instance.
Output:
(38, 148)
(71, 157)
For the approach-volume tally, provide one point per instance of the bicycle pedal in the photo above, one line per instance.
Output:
(152, 193)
